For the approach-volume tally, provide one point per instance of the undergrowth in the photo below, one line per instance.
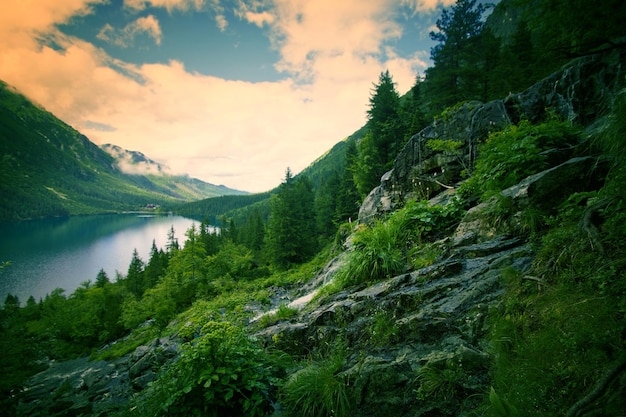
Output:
(404, 240)
(558, 333)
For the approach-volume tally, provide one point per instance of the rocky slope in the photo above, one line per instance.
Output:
(417, 343)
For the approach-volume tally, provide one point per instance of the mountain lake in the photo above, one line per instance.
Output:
(65, 252)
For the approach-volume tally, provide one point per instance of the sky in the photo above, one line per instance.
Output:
(232, 92)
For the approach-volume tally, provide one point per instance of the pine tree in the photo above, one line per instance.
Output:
(453, 78)
(253, 232)
(156, 266)
(172, 242)
(290, 235)
(134, 279)
(348, 198)
(326, 204)
(384, 121)
(413, 110)
(102, 279)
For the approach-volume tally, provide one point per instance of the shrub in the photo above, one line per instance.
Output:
(222, 372)
(518, 151)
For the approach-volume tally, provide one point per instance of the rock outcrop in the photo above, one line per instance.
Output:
(413, 326)
(580, 92)
(94, 388)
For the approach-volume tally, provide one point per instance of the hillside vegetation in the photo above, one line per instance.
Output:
(473, 266)
(49, 169)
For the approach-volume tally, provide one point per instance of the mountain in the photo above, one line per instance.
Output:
(47, 168)
(183, 186)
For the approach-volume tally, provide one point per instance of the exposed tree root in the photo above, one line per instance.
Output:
(600, 388)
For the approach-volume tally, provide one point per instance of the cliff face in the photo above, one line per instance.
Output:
(580, 93)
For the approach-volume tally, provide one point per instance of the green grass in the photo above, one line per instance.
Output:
(283, 312)
(121, 347)
(316, 391)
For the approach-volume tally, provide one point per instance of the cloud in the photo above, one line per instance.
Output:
(221, 22)
(125, 37)
(169, 5)
(312, 35)
(426, 5)
(20, 20)
(237, 133)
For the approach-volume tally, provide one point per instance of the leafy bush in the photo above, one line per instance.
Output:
(518, 151)
(222, 372)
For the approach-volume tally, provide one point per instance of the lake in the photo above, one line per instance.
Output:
(65, 252)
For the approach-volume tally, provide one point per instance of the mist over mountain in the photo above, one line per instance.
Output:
(134, 162)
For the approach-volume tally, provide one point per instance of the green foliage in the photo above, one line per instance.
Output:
(377, 254)
(423, 255)
(381, 249)
(141, 335)
(316, 391)
(565, 29)
(458, 59)
(221, 372)
(440, 381)
(384, 139)
(554, 333)
(348, 197)
(501, 407)
(283, 312)
(384, 330)
(442, 145)
(291, 237)
(517, 152)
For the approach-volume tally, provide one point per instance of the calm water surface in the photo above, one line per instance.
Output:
(63, 253)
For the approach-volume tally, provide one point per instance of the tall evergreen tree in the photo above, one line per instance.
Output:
(370, 166)
(326, 204)
(172, 242)
(210, 237)
(253, 232)
(348, 198)
(290, 235)
(135, 277)
(102, 279)
(413, 109)
(384, 119)
(156, 266)
(453, 76)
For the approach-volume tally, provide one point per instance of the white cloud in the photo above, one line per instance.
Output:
(427, 5)
(125, 37)
(170, 5)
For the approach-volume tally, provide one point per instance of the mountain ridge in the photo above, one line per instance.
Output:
(49, 169)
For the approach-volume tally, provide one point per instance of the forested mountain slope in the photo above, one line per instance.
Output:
(49, 169)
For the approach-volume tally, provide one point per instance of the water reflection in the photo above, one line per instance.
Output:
(64, 252)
